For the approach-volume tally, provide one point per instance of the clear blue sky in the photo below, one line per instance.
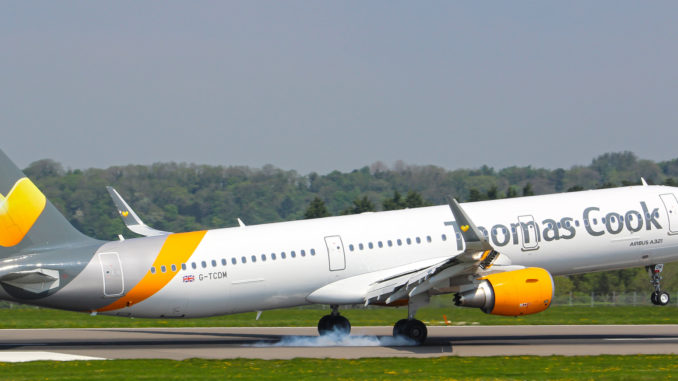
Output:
(317, 86)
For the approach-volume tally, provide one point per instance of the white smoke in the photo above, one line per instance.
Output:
(338, 339)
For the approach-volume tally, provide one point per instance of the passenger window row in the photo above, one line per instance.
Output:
(391, 243)
(234, 261)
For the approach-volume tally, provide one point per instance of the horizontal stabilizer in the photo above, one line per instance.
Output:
(35, 281)
(131, 220)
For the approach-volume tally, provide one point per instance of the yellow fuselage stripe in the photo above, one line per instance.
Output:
(177, 249)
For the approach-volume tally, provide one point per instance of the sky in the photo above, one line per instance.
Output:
(321, 86)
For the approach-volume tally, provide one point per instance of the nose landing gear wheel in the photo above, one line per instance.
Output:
(660, 298)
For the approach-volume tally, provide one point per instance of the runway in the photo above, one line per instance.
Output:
(285, 343)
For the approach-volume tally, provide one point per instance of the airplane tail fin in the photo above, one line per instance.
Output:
(28, 221)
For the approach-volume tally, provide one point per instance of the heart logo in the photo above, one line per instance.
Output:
(464, 228)
(124, 213)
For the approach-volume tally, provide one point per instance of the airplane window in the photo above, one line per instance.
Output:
(458, 235)
(282, 255)
(558, 225)
(656, 214)
(234, 261)
(351, 247)
(243, 260)
(602, 220)
(254, 258)
(370, 245)
(549, 225)
(273, 256)
(360, 246)
(409, 241)
(194, 265)
(418, 240)
(163, 268)
(223, 261)
(381, 244)
(621, 218)
(312, 251)
(595, 221)
(303, 253)
(152, 270)
(428, 238)
(174, 267)
(631, 217)
(183, 266)
(576, 223)
(444, 237)
(263, 257)
(293, 254)
(204, 264)
(400, 242)
(214, 263)
(390, 243)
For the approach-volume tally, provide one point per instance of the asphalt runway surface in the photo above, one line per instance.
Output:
(286, 343)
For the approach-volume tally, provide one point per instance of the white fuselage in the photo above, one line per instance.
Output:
(265, 268)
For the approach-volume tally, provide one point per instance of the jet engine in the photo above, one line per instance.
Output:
(512, 293)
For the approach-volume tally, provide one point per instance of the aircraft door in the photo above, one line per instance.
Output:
(671, 205)
(335, 252)
(528, 233)
(111, 269)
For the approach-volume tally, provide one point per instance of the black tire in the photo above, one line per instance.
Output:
(663, 298)
(399, 328)
(416, 330)
(341, 325)
(329, 324)
(653, 298)
(324, 326)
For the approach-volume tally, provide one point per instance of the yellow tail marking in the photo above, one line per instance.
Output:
(19, 211)
(176, 250)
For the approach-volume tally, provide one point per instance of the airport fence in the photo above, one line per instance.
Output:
(572, 299)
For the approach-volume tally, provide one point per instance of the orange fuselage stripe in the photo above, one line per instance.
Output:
(176, 250)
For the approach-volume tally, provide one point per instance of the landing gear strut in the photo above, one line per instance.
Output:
(658, 297)
(411, 327)
(334, 323)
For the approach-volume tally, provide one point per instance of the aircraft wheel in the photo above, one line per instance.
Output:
(338, 323)
(399, 328)
(411, 328)
(663, 298)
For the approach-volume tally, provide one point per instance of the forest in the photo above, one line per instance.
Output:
(182, 197)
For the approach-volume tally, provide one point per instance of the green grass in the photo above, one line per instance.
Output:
(28, 317)
(653, 367)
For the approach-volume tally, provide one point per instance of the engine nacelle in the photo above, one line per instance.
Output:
(511, 293)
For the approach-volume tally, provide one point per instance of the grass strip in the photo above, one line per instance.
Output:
(639, 367)
(29, 317)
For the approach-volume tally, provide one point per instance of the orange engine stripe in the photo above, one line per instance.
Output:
(176, 250)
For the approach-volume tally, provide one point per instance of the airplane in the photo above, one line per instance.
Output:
(499, 256)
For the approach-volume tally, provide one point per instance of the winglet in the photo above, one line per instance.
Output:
(475, 240)
(642, 180)
(131, 220)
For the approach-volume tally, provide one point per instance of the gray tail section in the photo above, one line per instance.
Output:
(28, 221)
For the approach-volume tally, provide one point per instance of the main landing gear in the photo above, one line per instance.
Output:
(334, 323)
(658, 297)
(409, 328)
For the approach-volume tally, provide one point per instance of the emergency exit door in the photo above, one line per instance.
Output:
(335, 253)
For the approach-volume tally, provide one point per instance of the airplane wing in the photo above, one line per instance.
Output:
(390, 286)
(131, 220)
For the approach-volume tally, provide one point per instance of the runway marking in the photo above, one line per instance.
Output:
(23, 356)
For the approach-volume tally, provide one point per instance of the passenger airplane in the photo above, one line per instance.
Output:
(498, 256)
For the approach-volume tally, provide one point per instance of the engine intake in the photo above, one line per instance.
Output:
(512, 293)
